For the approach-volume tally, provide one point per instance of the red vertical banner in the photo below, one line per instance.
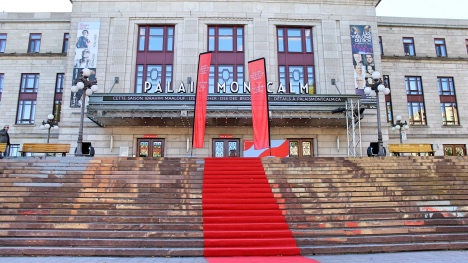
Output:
(259, 100)
(201, 96)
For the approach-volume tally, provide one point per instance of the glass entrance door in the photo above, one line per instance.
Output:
(226, 148)
(150, 148)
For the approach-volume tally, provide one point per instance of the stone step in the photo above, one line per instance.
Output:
(103, 226)
(123, 234)
(167, 243)
(101, 251)
(382, 248)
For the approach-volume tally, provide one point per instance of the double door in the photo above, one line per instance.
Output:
(150, 148)
(454, 150)
(301, 148)
(226, 148)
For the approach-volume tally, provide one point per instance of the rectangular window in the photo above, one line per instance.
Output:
(381, 45)
(29, 83)
(142, 39)
(227, 66)
(294, 42)
(34, 43)
(448, 101)
(415, 98)
(408, 45)
(156, 38)
(280, 40)
(3, 38)
(295, 60)
(2, 80)
(441, 50)
(66, 37)
(446, 87)
(388, 99)
(449, 113)
(417, 113)
(226, 39)
(413, 85)
(26, 112)
(155, 44)
(58, 95)
(27, 99)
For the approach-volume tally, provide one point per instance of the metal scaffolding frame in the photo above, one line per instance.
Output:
(353, 128)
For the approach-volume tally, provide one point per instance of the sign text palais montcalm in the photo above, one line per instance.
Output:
(232, 88)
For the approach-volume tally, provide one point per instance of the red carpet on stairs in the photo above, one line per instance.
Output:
(240, 214)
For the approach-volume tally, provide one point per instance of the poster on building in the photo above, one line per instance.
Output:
(363, 61)
(86, 53)
(279, 148)
(361, 39)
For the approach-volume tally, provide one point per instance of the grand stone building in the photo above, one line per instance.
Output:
(144, 55)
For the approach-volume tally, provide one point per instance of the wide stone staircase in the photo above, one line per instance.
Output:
(363, 205)
(101, 206)
(153, 206)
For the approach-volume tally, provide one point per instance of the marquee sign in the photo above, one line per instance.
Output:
(271, 98)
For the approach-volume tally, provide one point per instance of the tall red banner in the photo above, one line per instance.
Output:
(259, 99)
(201, 96)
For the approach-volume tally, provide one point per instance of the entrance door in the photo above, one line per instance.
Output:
(301, 148)
(454, 150)
(150, 148)
(226, 147)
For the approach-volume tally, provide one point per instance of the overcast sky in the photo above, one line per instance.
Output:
(456, 9)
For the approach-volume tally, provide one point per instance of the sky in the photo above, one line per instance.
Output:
(453, 9)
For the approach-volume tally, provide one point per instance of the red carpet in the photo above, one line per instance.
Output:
(240, 214)
(287, 259)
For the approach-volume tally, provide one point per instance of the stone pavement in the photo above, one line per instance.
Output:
(403, 257)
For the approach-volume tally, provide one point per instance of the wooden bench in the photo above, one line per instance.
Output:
(3, 146)
(397, 149)
(45, 148)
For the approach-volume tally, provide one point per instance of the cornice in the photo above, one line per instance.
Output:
(425, 58)
(32, 55)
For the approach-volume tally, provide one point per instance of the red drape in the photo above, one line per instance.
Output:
(259, 99)
(199, 124)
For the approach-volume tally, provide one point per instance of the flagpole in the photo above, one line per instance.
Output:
(201, 97)
(195, 106)
(268, 108)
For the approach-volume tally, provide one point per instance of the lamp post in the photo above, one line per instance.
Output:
(49, 124)
(400, 126)
(88, 87)
(376, 87)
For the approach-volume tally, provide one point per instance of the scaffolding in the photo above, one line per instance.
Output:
(353, 127)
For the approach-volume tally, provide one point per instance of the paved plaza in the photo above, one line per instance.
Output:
(403, 257)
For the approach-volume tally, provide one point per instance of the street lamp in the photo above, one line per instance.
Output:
(400, 126)
(87, 87)
(376, 87)
(49, 124)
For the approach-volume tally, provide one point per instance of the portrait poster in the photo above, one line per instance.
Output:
(363, 61)
(86, 53)
(87, 42)
(361, 39)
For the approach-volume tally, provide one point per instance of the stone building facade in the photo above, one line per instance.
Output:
(123, 64)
